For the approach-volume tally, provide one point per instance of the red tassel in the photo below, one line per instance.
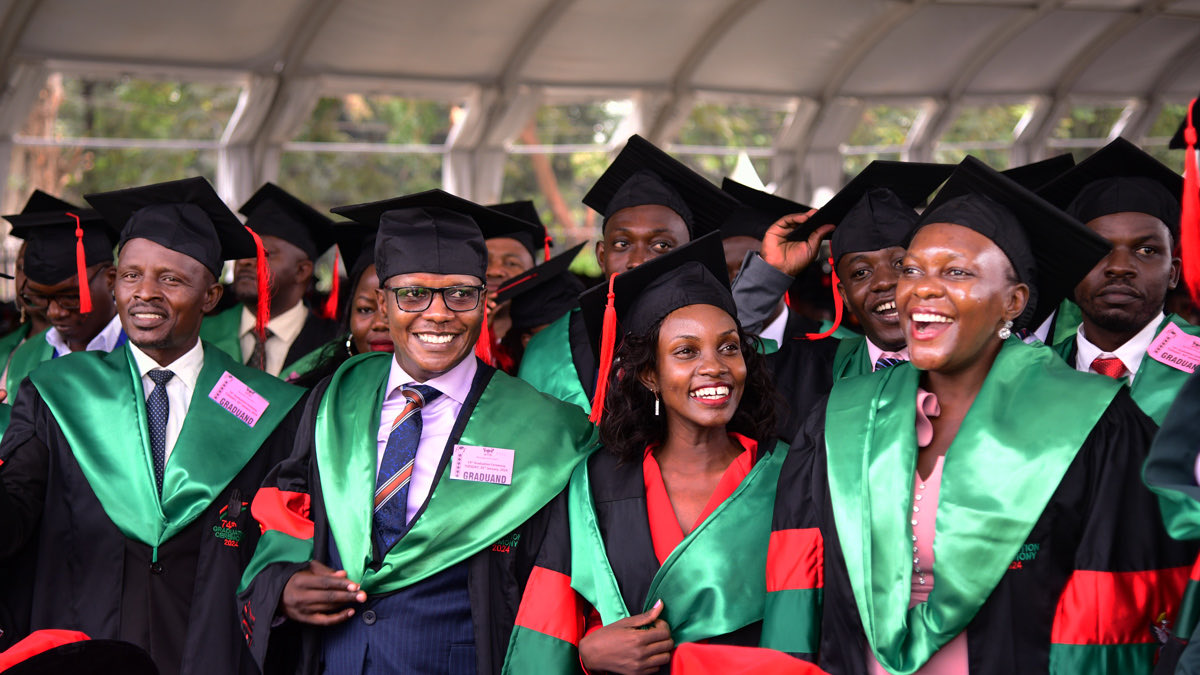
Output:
(837, 307)
(262, 315)
(483, 345)
(546, 244)
(608, 339)
(1189, 223)
(85, 293)
(330, 310)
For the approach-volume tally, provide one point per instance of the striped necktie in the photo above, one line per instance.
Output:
(888, 359)
(395, 470)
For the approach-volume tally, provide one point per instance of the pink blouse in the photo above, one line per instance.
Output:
(952, 658)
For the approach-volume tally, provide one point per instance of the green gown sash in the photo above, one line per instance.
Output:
(549, 366)
(852, 358)
(221, 331)
(1156, 384)
(1000, 471)
(713, 583)
(98, 401)
(25, 358)
(1066, 322)
(461, 517)
(10, 341)
(311, 360)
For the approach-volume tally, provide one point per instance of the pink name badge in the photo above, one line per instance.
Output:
(1176, 348)
(480, 464)
(238, 399)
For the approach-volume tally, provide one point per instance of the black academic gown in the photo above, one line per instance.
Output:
(1100, 518)
(317, 331)
(496, 576)
(802, 370)
(90, 577)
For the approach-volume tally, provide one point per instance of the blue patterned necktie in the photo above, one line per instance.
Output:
(157, 412)
(395, 470)
(887, 360)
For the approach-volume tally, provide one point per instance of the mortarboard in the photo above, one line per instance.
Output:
(757, 211)
(1118, 177)
(272, 211)
(910, 182)
(1049, 249)
(63, 243)
(188, 217)
(1034, 175)
(635, 300)
(534, 238)
(642, 174)
(544, 293)
(356, 245)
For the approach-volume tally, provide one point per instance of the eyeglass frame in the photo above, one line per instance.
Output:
(25, 294)
(395, 293)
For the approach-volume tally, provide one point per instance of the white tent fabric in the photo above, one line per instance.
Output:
(507, 56)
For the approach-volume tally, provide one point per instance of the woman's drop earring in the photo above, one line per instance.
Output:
(656, 404)
(1005, 331)
(349, 349)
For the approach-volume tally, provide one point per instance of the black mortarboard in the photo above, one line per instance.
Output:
(1117, 178)
(756, 212)
(637, 299)
(81, 657)
(184, 215)
(52, 244)
(43, 201)
(1049, 250)
(432, 231)
(879, 220)
(272, 211)
(642, 174)
(544, 293)
(1034, 175)
(356, 244)
(1177, 141)
(910, 182)
(531, 233)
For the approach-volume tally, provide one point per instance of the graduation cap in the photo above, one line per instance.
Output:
(1034, 175)
(432, 232)
(63, 242)
(757, 211)
(69, 652)
(272, 211)
(910, 182)
(356, 245)
(1119, 177)
(1049, 249)
(1189, 220)
(642, 174)
(544, 293)
(532, 239)
(637, 299)
(188, 217)
(43, 201)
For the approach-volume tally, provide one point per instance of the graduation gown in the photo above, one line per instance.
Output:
(803, 372)
(711, 584)
(9, 343)
(1046, 550)
(113, 559)
(323, 493)
(221, 329)
(559, 361)
(1156, 383)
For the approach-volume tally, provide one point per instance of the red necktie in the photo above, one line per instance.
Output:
(1110, 367)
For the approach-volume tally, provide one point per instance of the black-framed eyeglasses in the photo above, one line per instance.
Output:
(419, 298)
(68, 301)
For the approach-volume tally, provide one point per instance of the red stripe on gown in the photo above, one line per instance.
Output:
(551, 607)
(283, 511)
(1111, 608)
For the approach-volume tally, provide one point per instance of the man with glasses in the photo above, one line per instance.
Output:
(69, 277)
(399, 536)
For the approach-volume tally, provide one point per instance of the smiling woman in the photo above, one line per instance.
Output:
(673, 512)
(1017, 461)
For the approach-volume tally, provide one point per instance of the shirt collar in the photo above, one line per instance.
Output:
(1130, 353)
(105, 340)
(285, 325)
(875, 352)
(454, 383)
(186, 367)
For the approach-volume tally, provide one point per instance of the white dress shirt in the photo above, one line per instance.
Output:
(875, 352)
(105, 340)
(179, 388)
(284, 328)
(437, 421)
(1130, 353)
(774, 330)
